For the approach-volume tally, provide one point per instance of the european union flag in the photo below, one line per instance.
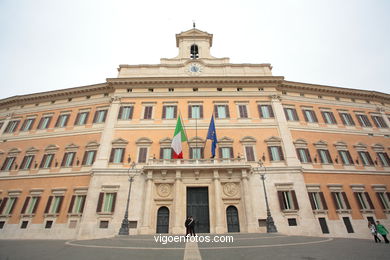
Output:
(212, 135)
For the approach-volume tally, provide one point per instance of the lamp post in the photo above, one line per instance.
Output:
(124, 230)
(271, 228)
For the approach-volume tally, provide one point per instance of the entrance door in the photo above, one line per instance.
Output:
(198, 208)
(162, 220)
(233, 223)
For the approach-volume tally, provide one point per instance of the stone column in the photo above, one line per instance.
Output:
(145, 228)
(104, 151)
(248, 203)
(289, 148)
(219, 228)
(178, 218)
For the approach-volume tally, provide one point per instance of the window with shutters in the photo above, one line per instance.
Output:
(8, 163)
(30, 205)
(243, 110)
(384, 200)
(310, 116)
(341, 201)
(303, 155)
(89, 157)
(62, 120)
(265, 111)
(77, 203)
(166, 153)
(44, 122)
(117, 155)
(81, 118)
(7, 206)
(221, 111)
(379, 121)
(365, 158)
(249, 153)
(364, 201)
(383, 159)
(275, 153)
(345, 156)
(196, 153)
(291, 114)
(226, 152)
(148, 111)
(324, 156)
(46, 161)
(106, 202)
(12, 126)
(195, 111)
(317, 201)
(100, 116)
(348, 224)
(288, 200)
(363, 120)
(169, 112)
(53, 205)
(67, 160)
(346, 118)
(328, 117)
(27, 162)
(125, 112)
(27, 124)
(142, 154)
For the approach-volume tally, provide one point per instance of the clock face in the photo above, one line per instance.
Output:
(194, 68)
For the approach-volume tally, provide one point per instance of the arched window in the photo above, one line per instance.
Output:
(162, 220)
(194, 51)
(233, 224)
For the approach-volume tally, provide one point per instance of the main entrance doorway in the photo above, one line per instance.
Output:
(198, 208)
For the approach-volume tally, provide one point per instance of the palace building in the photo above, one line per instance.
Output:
(317, 155)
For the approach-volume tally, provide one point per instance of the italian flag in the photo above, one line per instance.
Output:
(178, 137)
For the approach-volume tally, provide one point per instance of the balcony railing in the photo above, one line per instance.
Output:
(198, 162)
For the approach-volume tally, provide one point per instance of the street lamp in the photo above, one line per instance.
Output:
(124, 230)
(271, 228)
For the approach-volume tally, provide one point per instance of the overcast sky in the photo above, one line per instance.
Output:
(49, 44)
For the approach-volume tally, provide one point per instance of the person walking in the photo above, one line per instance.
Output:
(187, 225)
(382, 230)
(191, 224)
(374, 232)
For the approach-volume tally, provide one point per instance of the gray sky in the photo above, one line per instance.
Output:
(49, 44)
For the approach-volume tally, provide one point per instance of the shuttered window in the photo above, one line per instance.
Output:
(81, 118)
(46, 161)
(365, 157)
(288, 200)
(275, 153)
(8, 163)
(226, 152)
(346, 118)
(117, 155)
(44, 123)
(54, 204)
(62, 120)
(30, 205)
(27, 162)
(195, 111)
(324, 156)
(317, 201)
(12, 126)
(384, 199)
(67, 160)
(363, 120)
(7, 205)
(169, 112)
(125, 112)
(142, 153)
(345, 157)
(379, 122)
(221, 111)
(384, 159)
(340, 200)
(77, 204)
(328, 117)
(265, 111)
(196, 153)
(89, 157)
(291, 114)
(106, 202)
(243, 111)
(310, 116)
(27, 124)
(250, 155)
(303, 155)
(364, 200)
(100, 116)
(148, 112)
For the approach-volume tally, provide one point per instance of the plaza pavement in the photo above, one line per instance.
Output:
(244, 246)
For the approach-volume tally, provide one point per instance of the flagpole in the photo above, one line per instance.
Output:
(185, 131)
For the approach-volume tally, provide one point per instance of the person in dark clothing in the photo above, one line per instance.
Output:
(191, 225)
(187, 225)
(374, 232)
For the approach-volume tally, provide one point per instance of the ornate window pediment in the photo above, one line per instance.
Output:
(166, 142)
(273, 141)
(248, 140)
(92, 146)
(71, 147)
(196, 141)
(225, 141)
(341, 145)
(13, 152)
(360, 147)
(321, 145)
(300, 143)
(378, 148)
(144, 141)
(119, 143)
(52, 148)
(32, 150)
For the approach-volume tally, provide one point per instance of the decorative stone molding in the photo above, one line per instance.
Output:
(335, 187)
(360, 147)
(196, 141)
(341, 146)
(378, 148)
(80, 190)
(284, 186)
(357, 187)
(164, 190)
(110, 188)
(32, 151)
(144, 141)
(313, 187)
(225, 141)
(52, 148)
(13, 152)
(248, 140)
(230, 189)
(59, 191)
(166, 142)
(300, 143)
(276, 97)
(321, 145)
(92, 146)
(119, 143)
(379, 187)
(14, 193)
(273, 140)
(72, 148)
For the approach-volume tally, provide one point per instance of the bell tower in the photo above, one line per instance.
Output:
(194, 44)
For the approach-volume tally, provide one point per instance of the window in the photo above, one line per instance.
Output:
(89, 157)
(27, 162)
(77, 203)
(7, 205)
(142, 152)
(363, 120)
(196, 152)
(12, 126)
(62, 120)
(103, 224)
(303, 155)
(366, 158)
(288, 200)
(275, 153)
(384, 199)
(106, 202)
(221, 111)
(364, 200)
(68, 159)
(8, 163)
(328, 117)
(54, 204)
(27, 124)
(250, 155)
(379, 121)
(125, 112)
(226, 152)
(243, 111)
(323, 225)
(310, 116)
(44, 122)
(48, 224)
(100, 116)
(148, 112)
(169, 112)
(30, 205)
(166, 153)
(265, 111)
(292, 222)
(81, 118)
(324, 156)
(345, 157)
(317, 201)
(24, 225)
(195, 111)
(348, 225)
(346, 118)
(194, 51)
(47, 160)
(340, 200)
(117, 155)
(384, 159)
(291, 114)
